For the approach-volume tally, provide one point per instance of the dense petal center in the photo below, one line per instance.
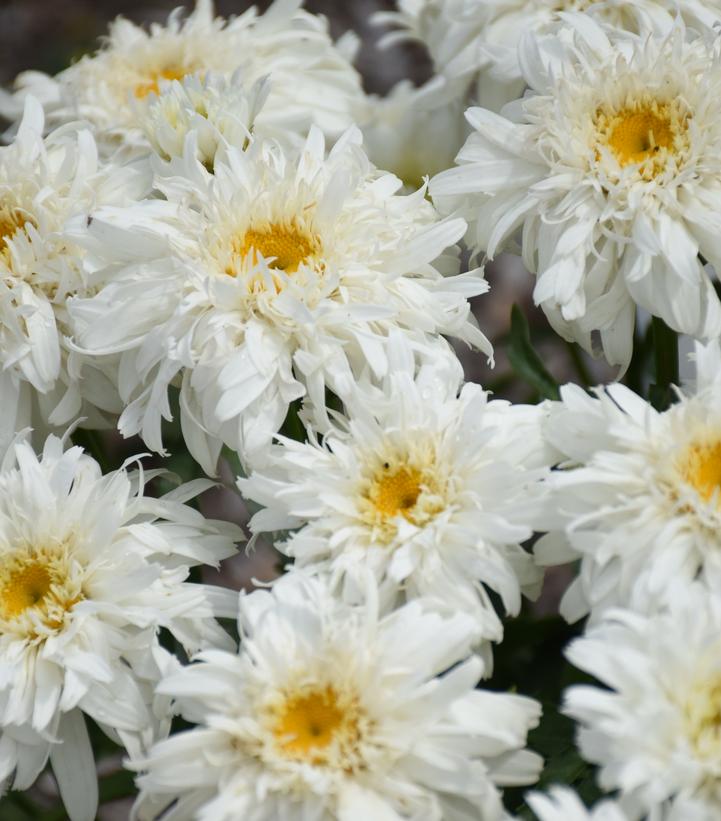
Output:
(26, 587)
(12, 220)
(700, 467)
(395, 492)
(152, 84)
(284, 246)
(702, 716)
(37, 589)
(644, 133)
(310, 723)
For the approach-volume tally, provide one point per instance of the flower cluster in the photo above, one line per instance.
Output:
(212, 240)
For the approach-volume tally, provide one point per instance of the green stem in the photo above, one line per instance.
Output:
(579, 364)
(665, 353)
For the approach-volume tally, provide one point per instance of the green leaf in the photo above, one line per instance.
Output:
(525, 360)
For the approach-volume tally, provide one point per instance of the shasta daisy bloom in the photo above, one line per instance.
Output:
(333, 712)
(312, 80)
(476, 41)
(43, 184)
(431, 489)
(279, 275)
(89, 570)
(654, 728)
(610, 165)
(640, 498)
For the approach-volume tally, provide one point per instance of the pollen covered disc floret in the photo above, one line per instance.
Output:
(329, 711)
(430, 486)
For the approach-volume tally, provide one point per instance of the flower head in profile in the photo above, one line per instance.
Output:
(655, 727)
(639, 499)
(312, 80)
(332, 712)
(90, 569)
(610, 167)
(281, 274)
(430, 486)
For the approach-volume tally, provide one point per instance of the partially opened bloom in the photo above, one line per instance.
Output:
(278, 276)
(475, 42)
(640, 495)
(312, 81)
(430, 486)
(654, 728)
(211, 112)
(90, 569)
(610, 166)
(331, 712)
(44, 183)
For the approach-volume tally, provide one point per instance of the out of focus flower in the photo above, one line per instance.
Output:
(475, 42)
(332, 712)
(90, 569)
(414, 132)
(640, 497)
(610, 165)
(312, 81)
(655, 730)
(278, 276)
(431, 490)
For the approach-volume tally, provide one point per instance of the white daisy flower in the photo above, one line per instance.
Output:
(431, 490)
(89, 570)
(414, 132)
(43, 184)
(279, 275)
(655, 730)
(476, 41)
(640, 497)
(610, 164)
(332, 712)
(312, 80)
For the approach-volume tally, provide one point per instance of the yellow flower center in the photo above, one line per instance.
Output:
(317, 725)
(395, 492)
(646, 134)
(12, 220)
(702, 715)
(152, 84)
(26, 587)
(285, 247)
(700, 467)
(36, 590)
